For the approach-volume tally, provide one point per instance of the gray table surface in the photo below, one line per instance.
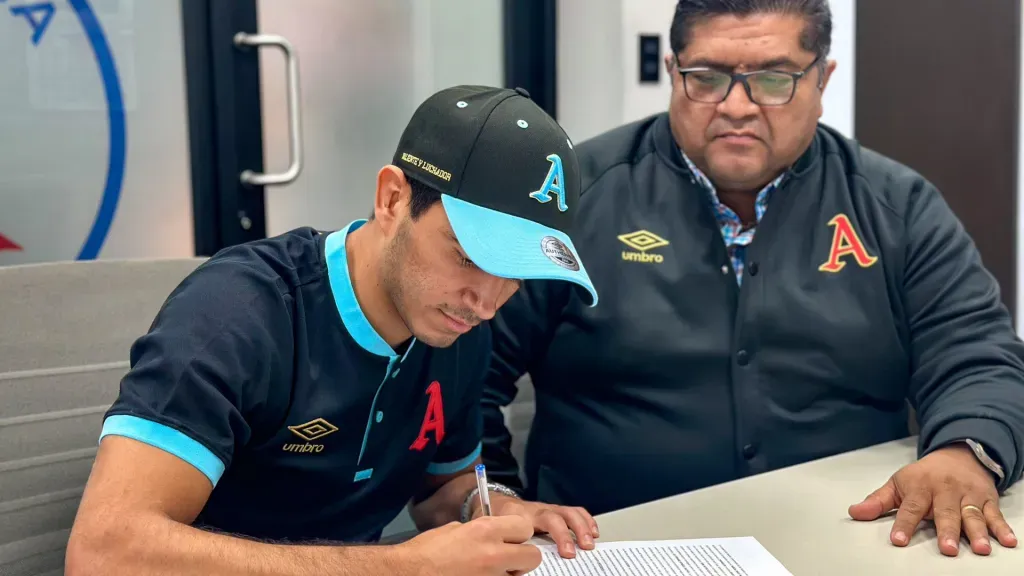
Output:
(799, 514)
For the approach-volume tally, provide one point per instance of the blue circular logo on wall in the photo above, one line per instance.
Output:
(37, 16)
(116, 124)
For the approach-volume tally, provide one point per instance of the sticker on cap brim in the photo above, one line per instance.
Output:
(559, 253)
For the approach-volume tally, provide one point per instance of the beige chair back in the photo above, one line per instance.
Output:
(66, 329)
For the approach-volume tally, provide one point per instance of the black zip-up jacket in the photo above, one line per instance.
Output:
(680, 378)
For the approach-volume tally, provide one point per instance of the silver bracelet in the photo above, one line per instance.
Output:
(491, 487)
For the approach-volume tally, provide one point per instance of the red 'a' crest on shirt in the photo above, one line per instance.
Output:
(433, 419)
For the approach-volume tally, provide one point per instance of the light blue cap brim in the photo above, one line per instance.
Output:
(508, 246)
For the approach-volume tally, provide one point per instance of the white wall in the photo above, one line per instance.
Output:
(644, 17)
(590, 66)
(457, 42)
(838, 101)
(598, 45)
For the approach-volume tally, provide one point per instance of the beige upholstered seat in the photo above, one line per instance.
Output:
(65, 334)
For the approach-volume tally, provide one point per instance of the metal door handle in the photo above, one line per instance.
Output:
(249, 177)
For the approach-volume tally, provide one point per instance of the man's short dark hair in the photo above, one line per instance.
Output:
(422, 197)
(817, 36)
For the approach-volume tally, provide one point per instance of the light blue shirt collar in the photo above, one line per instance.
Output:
(352, 315)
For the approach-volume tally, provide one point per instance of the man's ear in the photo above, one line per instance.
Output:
(826, 74)
(391, 201)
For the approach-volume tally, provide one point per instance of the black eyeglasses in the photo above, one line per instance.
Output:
(763, 87)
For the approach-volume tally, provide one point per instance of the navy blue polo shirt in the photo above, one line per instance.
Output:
(262, 372)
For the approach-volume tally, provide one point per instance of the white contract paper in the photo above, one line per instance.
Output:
(703, 557)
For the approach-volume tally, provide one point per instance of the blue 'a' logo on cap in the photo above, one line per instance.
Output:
(552, 184)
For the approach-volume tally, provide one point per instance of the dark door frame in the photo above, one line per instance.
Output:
(225, 122)
(530, 30)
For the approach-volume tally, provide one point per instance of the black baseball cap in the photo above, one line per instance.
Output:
(508, 176)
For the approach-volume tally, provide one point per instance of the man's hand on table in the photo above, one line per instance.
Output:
(950, 487)
(559, 522)
(483, 547)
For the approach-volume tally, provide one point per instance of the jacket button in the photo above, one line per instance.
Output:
(749, 451)
(742, 358)
(752, 268)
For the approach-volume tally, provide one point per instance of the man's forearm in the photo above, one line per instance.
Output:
(160, 546)
(445, 505)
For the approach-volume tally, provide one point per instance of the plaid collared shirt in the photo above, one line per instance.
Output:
(736, 237)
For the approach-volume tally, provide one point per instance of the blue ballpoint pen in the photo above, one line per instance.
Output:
(481, 484)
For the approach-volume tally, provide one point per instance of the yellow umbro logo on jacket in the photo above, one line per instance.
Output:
(642, 242)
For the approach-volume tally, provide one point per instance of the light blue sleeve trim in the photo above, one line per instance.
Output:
(167, 439)
(441, 468)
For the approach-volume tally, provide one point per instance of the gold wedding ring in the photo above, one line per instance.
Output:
(971, 507)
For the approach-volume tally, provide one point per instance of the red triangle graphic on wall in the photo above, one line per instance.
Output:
(7, 244)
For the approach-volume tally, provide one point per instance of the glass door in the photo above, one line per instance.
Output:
(310, 101)
(94, 151)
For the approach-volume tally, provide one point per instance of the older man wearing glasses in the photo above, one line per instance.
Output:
(772, 293)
